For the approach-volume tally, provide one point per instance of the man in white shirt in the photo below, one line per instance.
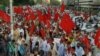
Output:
(35, 39)
(45, 47)
(79, 50)
(21, 31)
(61, 49)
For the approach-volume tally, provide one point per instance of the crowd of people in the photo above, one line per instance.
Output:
(34, 37)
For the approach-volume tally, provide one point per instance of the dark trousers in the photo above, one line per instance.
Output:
(19, 54)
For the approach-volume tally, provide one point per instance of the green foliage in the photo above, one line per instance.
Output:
(2, 7)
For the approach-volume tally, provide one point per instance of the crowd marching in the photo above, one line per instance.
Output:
(49, 31)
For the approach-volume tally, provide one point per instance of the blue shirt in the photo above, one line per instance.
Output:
(21, 49)
(79, 51)
(45, 46)
(61, 49)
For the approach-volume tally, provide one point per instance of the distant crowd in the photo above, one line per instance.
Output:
(50, 31)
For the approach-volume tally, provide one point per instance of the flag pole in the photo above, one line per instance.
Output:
(11, 17)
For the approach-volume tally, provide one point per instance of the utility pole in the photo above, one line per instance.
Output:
(78, 4)
(11, 17)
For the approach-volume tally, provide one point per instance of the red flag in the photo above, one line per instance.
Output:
(39, 12)
(97, 38)
(86, 41)
(31, 29)
(56, 16)
(43, 18)
(67, 24)
(49, 14)
(40, 16)
(5, 17)
(62, 8)
(42, 33)
(30, 14)
(27, 17)
(18, 10)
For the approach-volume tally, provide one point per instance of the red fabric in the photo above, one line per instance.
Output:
(67, 24)
(40, 16)
(43, 18)
(86, 41)
(39, 12)
(31, 29)
(62, 8)
(42, 33)
(56, 16)
(97, 38)
(5, 17)
(18, 10)
(27, 17)
(30, 14)
(49, 14)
